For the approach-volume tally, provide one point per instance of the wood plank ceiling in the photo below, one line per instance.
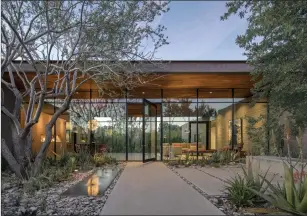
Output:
(178, 80)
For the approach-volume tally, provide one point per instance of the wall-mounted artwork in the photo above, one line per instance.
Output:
(238, 130)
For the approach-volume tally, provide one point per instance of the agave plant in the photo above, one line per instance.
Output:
(238, 188)
(291, 197)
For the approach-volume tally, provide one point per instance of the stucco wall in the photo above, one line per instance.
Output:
(241, 110)
(39, 129)
(222, 121)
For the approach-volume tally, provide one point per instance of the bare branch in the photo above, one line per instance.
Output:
(36, 117)
(24, 46)
(14, 119)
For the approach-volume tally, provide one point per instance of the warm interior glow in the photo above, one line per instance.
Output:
(92, 124)
(68, 126)
(57, 139)
(93, 186)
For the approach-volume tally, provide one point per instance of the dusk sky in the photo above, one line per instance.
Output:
(196, 32)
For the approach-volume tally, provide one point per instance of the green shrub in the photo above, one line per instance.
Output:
(84, 159)
(173, 163)
(65, 157)
(61, 174)
(36, 183)
(71, 164)
(187, 157)
(110, 160)
(226, 157)
(238, 192)
(99, 159)
(216, 157)
(50, 161)
(180, 162)
(204, 162)
(188, 163)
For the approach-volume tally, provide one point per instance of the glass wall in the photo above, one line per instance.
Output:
(178, 110)
(194, 121)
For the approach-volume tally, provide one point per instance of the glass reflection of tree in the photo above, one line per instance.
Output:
(110, 131)
(135, 134)
(183, 108)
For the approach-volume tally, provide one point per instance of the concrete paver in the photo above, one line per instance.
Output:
(207, 183)
(153, 189)
(223, 173)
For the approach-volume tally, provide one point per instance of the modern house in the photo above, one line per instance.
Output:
(194, 106)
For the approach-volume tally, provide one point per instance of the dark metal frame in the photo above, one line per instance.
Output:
(207, 131)
(161, 128)
(127, 132)
(196, 125)
(233, 119)
(54, 132)
(144, 122)
(125, 100)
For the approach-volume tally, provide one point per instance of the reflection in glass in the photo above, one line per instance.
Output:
(99, 125)
(93, 186)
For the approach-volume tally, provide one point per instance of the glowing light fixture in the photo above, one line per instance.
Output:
(92, 124)
(57, 139)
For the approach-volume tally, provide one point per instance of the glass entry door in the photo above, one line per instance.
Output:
(149, 131)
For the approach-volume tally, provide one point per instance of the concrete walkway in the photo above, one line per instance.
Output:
(153, 189)
(206, 183)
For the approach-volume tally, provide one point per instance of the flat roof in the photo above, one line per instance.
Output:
(174, 66)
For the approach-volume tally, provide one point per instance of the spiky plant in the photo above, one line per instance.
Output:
(291, 197)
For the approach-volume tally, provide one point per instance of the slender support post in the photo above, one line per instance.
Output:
(91, 132)
(126, 95)
(233, 120)
(197, 124)
(161, 128)
(54, 130)
(267, 124)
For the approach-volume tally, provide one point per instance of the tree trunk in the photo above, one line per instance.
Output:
(18, 145)
(42, 153)
(48, 130)
(17, 168)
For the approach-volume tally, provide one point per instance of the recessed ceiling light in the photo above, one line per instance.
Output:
(143, 92)
(210, 92)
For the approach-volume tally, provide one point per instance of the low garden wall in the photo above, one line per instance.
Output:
(274, 163)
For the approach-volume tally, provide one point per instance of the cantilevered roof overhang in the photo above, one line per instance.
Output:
(177, 78)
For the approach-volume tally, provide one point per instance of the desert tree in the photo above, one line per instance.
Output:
(67, 43)
(275, 46)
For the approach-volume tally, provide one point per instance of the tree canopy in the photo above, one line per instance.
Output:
(275, 44)
(66, 43)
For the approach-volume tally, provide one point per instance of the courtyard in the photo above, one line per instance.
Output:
(153, 108)
(136, 188)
